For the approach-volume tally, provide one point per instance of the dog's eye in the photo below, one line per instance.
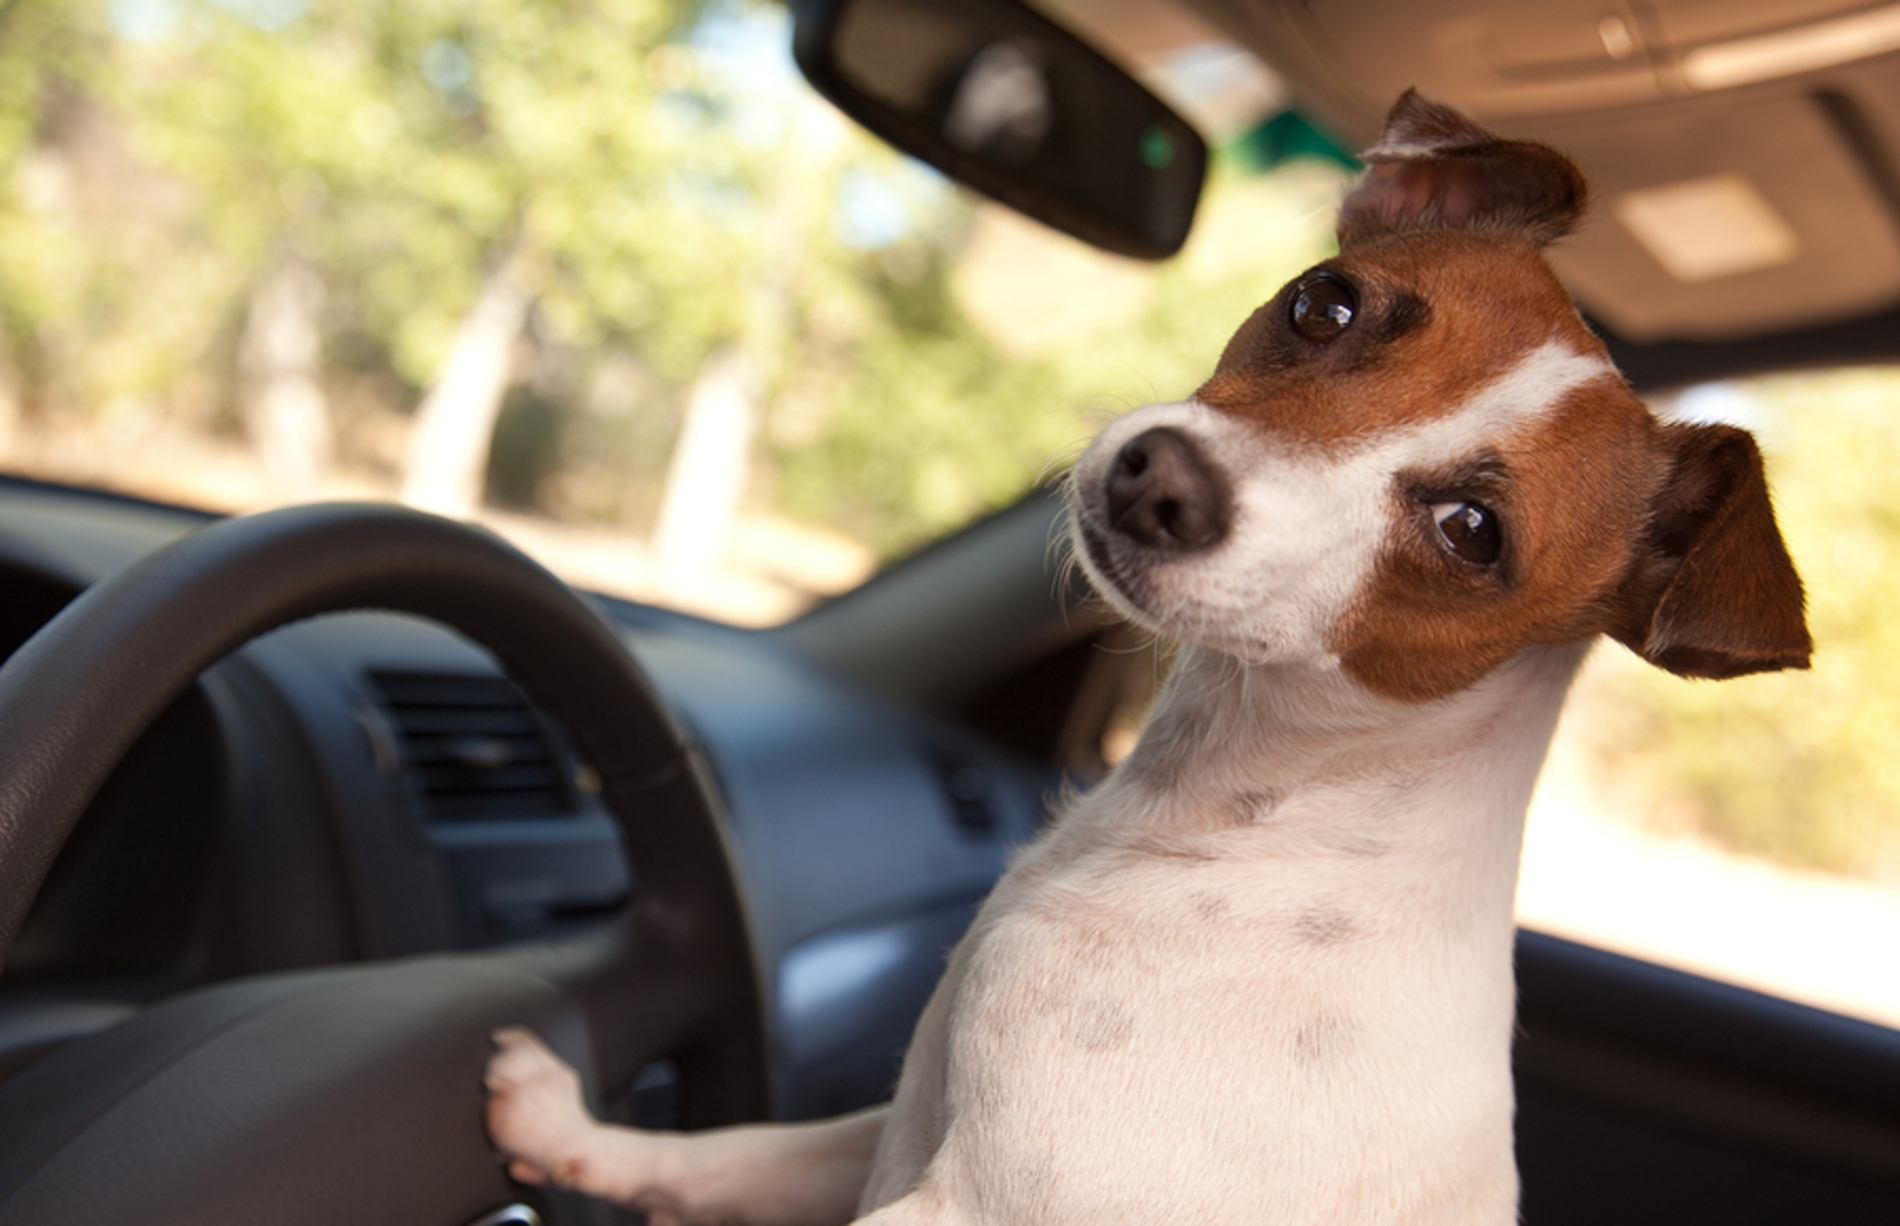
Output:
(1471, 529)
(1323, 308)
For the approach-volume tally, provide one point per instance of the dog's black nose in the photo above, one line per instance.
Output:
(1163, 493)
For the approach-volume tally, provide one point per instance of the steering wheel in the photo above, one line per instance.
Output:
(354, 1094)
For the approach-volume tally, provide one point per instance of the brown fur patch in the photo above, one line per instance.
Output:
(1489, 302)
(1325, 926)
(1250, 808)
(1577, 492)
(1574, 499)
(1211, 907)
(1434, 167)
(1098, 1026)
(1715, 593)
(1321, 1038)
(1573, 491)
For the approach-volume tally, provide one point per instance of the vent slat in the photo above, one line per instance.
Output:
(450, 780)
(447, 721)
(473, 747)
(448, 690)
(478, 750)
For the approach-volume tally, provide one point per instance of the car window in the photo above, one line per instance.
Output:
(608, 277)
(1750, 829)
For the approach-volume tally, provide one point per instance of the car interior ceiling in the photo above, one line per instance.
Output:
(1650, 97)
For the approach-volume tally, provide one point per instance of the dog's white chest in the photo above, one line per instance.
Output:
(1157, 1035)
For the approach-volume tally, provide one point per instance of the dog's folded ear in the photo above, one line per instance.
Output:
(1714, 593)
(1434, 168)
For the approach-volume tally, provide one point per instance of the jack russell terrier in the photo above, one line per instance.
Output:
(1263, 972)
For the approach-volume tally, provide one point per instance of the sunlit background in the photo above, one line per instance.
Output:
(625, 291)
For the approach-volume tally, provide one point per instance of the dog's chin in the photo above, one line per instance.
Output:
(1125, 583)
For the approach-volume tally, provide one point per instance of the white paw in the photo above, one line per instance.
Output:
(536, 1117)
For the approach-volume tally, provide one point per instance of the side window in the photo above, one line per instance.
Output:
(1749, 830)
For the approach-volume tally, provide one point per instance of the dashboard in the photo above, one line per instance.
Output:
(367, 786)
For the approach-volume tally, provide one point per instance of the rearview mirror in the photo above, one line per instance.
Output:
(1000, 99)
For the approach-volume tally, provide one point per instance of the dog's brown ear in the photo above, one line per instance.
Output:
(1434, 168)
(1716, 594)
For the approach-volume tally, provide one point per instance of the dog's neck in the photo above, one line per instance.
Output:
(1220, 721)
(1301, 763)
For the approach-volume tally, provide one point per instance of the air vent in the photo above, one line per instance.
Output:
(474, 748)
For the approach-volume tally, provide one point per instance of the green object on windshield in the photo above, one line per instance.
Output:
(1287, 137)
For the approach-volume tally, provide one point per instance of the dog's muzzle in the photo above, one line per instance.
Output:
(1163, 494)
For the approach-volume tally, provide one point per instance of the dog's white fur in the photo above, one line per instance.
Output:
(1333, 1048)
(1263, 972)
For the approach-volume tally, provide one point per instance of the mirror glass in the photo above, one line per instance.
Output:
(1002, 100)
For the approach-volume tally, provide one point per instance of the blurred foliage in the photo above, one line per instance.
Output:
(674, 191)
(937, 420)
(68, 285)
(1798, 766)
(406, 147)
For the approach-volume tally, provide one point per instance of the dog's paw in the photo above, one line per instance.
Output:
(535, 1115)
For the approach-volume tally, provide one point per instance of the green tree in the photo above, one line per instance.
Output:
(443, 166)
(452, 169)
(981, 421)
(73, 215)
(622, 190)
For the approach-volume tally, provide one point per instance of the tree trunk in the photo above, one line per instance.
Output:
(448, 450)
(284, 409)
(707, 475)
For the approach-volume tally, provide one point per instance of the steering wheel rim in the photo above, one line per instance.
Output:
(674, 978)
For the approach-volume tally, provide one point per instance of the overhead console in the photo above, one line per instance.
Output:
(1502, 60)
(1738, 149)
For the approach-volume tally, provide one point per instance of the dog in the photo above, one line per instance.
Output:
(1263, 972)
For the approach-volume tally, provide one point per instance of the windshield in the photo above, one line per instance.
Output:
(608, 277)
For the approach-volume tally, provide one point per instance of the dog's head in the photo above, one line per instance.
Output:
(1417, 461)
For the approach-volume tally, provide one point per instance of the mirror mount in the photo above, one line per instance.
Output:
(1006, 102)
